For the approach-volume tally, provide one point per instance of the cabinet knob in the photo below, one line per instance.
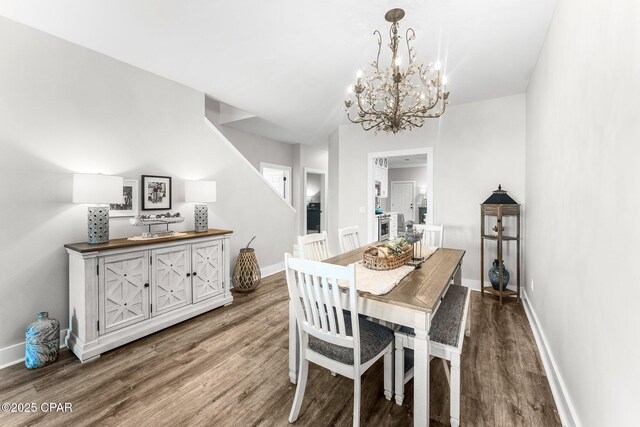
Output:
(195, 273)
(146, 285)
(188, 274)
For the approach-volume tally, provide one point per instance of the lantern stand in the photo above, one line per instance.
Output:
(500, 205)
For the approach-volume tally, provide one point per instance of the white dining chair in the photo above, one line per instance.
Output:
(433, 235)
(343, 343)
(349, 238)
(314, 247)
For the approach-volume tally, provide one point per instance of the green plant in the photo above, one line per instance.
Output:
(396, 247)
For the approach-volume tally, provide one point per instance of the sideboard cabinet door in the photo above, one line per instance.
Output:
(208, 274)
(170, 279)
(124, 290)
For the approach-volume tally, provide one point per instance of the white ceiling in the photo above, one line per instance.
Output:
(289, 62)
(411, 161)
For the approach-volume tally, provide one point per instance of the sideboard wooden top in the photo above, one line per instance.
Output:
(124, 243)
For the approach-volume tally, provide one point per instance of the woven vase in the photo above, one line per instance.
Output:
(246, 273)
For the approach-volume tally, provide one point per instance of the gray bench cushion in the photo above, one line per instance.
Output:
(445, 326)
(408, 360)
(373, 339)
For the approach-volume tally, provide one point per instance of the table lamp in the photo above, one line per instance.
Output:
(97, 191)
(200, 192)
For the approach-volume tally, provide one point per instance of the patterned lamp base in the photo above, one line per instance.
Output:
(98, 224)
(202, 217)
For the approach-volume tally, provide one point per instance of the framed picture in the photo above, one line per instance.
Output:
(129, 206)
(156, 192)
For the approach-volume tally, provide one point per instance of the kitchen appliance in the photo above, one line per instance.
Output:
(384, 227)
(314, 212)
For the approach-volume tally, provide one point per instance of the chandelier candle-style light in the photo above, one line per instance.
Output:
(391, 99)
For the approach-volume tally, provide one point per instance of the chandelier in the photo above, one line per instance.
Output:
(389, 99)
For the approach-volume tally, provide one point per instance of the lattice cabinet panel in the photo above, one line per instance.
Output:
(124, 290)
(208, 274)
(171, 279)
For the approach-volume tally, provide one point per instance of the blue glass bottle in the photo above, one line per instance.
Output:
(494, 276)
(42, 342)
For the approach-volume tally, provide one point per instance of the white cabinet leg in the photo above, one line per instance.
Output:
(421, 371)
(446, 371)
(357, 384)
(388, 374)
(399, 370)
(299, 396)
(294, 345)
(455, 390)
(457, 277)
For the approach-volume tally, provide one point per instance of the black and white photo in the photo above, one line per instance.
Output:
(129, 205)
(156, 192)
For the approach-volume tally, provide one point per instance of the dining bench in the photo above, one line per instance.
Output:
(449, 326)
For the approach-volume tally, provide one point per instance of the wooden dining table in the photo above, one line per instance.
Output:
(411, 303)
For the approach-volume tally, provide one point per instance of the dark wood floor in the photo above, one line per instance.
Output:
(229, 367)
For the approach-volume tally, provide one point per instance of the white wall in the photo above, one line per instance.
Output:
(258, 149)
(333, 192)
(476, 147)
(417, 174)
(66, 109)
(582, 154)
(253, 147)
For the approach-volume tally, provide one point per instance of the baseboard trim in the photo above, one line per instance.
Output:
(472, 284)
(566, 410)
(14, 354)
(272, 269)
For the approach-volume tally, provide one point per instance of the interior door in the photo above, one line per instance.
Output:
(124, 290)
(207, 266)
(171, 279)
(402, 199)
(314, 190)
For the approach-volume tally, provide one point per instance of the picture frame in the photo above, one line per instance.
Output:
(130, 205)
(156, 192)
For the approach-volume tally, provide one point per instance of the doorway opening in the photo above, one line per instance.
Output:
(400, 188)
(314, 190)
(279, 176)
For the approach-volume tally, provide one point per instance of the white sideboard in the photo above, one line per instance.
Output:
(123, 290)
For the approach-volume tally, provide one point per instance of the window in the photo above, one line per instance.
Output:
(279, 177)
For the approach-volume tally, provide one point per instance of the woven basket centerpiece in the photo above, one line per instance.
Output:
(387, 256)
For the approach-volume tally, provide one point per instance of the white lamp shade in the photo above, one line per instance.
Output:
(200, 191)
(97, 189)
(423, 191)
